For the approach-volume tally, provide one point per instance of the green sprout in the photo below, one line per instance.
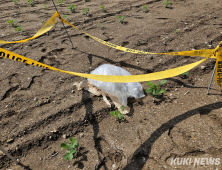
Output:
(102, 25)
(31, 3)
(15, 1)
(184, 75)
(45, 6)
(19, 29)
(86, 11)
(167, 3)
(72, 148)
(122, 107)
(117, 113)
(145, 8)
(155, 89)
(177, 30)
(72, 8)
(121, 18)
(66, 16)
(102, 8)
(13, 22)
(43, 22)
(59, 2)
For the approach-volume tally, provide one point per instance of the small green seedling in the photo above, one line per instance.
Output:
(19, 29)
(59, 2)
(184, 75)
(72, 8)
(122, 107)
(66, 16)
(155, 89)
(102, 25)
(43, 22)
(45, 6)
(85, 11)
(31, 3)
(145, 8)
(13, 22)
(167, 3)
(72, 148)
(121, 18)
(117, 113)
(15, 1)
(177, 30)
(102, 8)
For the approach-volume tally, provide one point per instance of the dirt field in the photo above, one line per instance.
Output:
(40, 109)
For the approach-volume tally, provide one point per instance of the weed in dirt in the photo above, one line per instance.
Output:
(43, 22)
(31, 3)
(19, 29)
(122, 107)
(72, 148)
(72, 8)
(85, 11)
(102, 25)
(12, 22)
(15, 1)
(45, 6)
(59, 2)
(167, 4)
(155, 89)
(184, 75)
(145, 8)
(117, 113)
(102, 8)
(177, 30)
(66, 16)
(121, 18)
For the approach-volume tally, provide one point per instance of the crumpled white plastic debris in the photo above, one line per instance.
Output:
(118, 92)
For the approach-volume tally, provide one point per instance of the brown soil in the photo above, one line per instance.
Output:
(38, 107)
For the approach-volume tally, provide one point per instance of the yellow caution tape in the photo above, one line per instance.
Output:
(51, 22)
(218, 75)
(46, 27)
(118, 79)
(208, 53)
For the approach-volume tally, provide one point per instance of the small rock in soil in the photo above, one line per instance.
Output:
(10, 140)
(186, 93)
(202, 67)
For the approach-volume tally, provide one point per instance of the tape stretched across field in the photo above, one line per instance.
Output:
(208, 53)
(121, 79)
(51, 22)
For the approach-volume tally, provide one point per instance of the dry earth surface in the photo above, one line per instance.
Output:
(40, 109)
